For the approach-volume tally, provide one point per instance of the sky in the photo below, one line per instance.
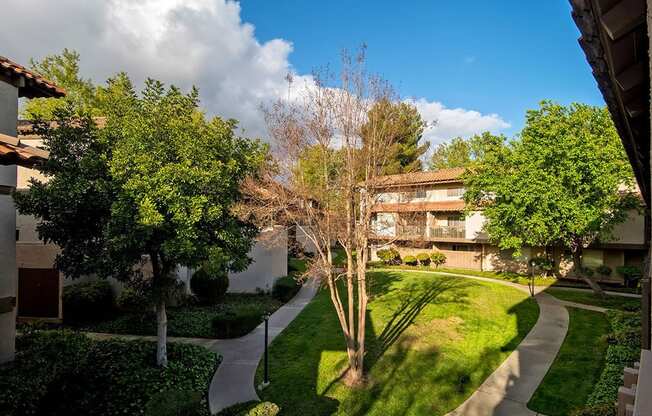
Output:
(468, 66)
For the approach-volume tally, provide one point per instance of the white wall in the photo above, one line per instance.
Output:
(269, 254)
(632, 231)
(8, 270)
(473, 226)
(434, 193)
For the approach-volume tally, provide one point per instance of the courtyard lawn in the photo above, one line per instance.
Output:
(588, 298)
(577, 368)
(59, 373)
(195, 321)
(432, 340)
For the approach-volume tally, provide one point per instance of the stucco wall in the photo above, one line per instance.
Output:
(433, 193)
(8, 270)
(632, 231)
(270, 254)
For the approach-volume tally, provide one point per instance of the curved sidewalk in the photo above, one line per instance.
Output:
(233, 382)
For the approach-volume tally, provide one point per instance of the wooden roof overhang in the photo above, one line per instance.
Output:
(615, 41)
(441, 206)
(29, 83)
(13, 152)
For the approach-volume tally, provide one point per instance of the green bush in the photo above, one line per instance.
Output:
(438, 258)
(631, 275)
(603, 270)
(87, 301)
(587, 271)
(424, 259)
(133, 300)
(285, 288)
(237, 322)
(174, 403)
(410, 260)
(209, 288)
(263, 409)
(389, 256)
(542, 263)
(606, 409)
(59, 373)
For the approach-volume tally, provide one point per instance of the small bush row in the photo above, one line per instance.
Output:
(391, 256)
(285, 288)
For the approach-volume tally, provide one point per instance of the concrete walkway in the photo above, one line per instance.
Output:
(234, 380)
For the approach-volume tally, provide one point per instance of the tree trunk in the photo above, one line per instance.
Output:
(161, 335)
(577, 266)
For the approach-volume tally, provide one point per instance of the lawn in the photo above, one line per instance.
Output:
(432, 340)
(60, 373)
(580, 362)
(194, 321)
(588, 298)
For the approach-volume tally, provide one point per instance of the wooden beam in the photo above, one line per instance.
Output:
(632, 76)
(623, 18)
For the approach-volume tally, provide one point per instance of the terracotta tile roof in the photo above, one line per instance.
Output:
(442, 206)
(30, 84)
(13, 152)
(420, 178)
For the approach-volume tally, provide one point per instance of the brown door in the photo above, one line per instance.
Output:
(38, 293)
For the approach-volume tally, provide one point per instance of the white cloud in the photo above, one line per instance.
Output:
(447, 123)
(185, 42)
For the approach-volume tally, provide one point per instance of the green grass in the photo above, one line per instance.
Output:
(588, 298)
(577, 368)
(432, 340)
(188, 321)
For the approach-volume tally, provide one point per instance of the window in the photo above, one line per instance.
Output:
(455, 221)
(462, 247)
(412, 195)
(17, 235)
(455, 192)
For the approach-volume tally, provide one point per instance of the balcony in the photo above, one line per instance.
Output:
(422, 232)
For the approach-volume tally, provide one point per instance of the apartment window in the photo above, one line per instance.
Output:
(455, 221)
(455, 192)
(462, 247)
(413, 195)
(17, 235)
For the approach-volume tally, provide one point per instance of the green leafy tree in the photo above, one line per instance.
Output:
(565, 181)
(154, 187)
(403, 122)
(63, 70)
(461, 152)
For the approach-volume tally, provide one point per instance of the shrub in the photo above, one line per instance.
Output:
(438, 258)
(237, 322)
(587, 271)
(631, 275)
(410, 260)
(263, 409)
(174, 403)
(606, 409)
(87, 301)
(424, 259)
(210, 289)
(542, 263)
(389, 256)
(133, 300)
(285, 288)
(603, 270)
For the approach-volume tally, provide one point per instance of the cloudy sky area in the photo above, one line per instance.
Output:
(215, 45)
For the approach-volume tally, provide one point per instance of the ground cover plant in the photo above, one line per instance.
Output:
(66, 373)
(427, 332)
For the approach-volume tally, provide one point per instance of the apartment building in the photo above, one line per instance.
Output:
(424, 211)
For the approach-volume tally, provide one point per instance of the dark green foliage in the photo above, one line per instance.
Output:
(251, 409)
(285, 288)
(424, 259)
(194, 321)
(543, 264)
(631, 274)
(587, 271)
(87, 301)
(389, 256)
(210, 289)
(603, 270)
(438, 258)
(134, 300)
(175, 403)
(238, 322)
(606, 409)
(65, 373)
(410, 260)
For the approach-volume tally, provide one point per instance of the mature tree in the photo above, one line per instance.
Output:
(155, 187)
(461, 152)
(404, 120)
(63, 70)
(332, 202)
(566, 181)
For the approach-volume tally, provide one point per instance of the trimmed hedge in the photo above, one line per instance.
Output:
(389, 256)
(424, 259)
(87, 301)
(285, 288)
(132, 300)
(438, 258)
(410, 260)
(210, 289)
(237, 322)
(66, 373)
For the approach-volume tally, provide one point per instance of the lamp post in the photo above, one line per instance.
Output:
(265, 382)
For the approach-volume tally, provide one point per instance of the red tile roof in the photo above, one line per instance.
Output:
(442, 206)
(420, 178)
(30, 84)
(13, 152)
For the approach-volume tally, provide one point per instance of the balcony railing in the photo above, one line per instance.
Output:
(419, 231)
(447, 232)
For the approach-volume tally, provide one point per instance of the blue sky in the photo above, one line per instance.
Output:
(491, 56)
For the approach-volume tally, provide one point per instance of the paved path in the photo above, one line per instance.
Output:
(234, 380)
